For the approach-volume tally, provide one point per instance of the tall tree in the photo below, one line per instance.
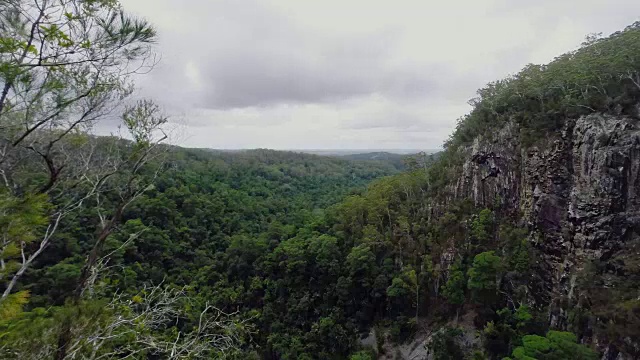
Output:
(64, 65)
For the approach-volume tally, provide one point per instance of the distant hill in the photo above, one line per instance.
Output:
(344, 152)
(374, 156)
(333, 152)
(396, 160)
(393, 157)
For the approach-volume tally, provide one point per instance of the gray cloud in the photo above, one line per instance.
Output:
(260, 58)
(433, 115)
(356, 73)
(275, 79)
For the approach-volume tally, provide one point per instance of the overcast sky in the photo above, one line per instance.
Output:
(348, 74)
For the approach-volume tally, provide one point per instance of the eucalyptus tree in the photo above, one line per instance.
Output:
(64, 66)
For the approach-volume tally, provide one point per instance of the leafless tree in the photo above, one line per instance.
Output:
(131, 327)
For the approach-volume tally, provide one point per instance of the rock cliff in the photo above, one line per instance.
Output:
(577, 192)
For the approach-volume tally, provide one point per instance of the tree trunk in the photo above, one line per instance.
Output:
(64, 337)
(417, 302)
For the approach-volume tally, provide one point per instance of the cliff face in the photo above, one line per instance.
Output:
(578, 192)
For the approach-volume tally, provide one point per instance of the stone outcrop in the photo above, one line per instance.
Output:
(577, 191)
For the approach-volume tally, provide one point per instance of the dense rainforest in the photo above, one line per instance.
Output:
(518, 241)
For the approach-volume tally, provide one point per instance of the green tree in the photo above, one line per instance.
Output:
(556, 345)
(64, 66)
(22, 219)
(361, 263)
(501, 335)
(481, 227)
(455, 287)
(405, 290)
(446, 344)
(484, 276)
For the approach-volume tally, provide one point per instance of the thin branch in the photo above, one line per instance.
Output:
(9, 83)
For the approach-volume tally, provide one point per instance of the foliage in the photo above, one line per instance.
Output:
(216, 222)
(609, 289)
(63, 66)
(445, 344)
(555, 346)
(601, 74)
(481, 226)
(361, 355)
(455, 287)
(139, 326)
(13, 304)
(484, 275)
(402, 328)
(503, 334)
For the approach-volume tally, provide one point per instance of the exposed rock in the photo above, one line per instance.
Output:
(492, 173)
(417, 348)
(578, 191)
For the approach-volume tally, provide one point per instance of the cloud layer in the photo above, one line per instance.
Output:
(348, 74)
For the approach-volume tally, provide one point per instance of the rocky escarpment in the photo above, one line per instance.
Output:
(577, 191)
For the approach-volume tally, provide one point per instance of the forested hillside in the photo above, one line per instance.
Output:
(201, 204)
(518, 241)
(397, 160)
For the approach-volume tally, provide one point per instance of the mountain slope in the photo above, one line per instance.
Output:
(556, 149)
